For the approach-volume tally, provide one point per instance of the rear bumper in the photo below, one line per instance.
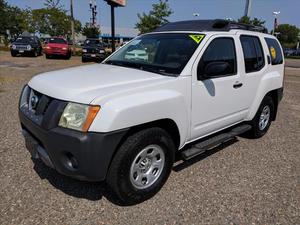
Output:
(84, 156)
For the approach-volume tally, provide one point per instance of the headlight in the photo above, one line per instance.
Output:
(101, 51)
(14, 47)
(28, 47)
(84, 50)
(48, 47)
(78, 116)
(64, 48)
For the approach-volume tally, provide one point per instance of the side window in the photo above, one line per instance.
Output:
(219, 59)
(253, 53)
(275, 51)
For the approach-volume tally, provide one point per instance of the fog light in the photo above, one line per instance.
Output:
(70, 161)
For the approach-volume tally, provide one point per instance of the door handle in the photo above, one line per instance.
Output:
(237, 85)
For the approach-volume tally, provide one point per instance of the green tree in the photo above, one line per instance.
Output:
(53, 4)
(53, 21)
(12, 19)
(156, 17)
(255, 21)
(90, 32)
(288, 34)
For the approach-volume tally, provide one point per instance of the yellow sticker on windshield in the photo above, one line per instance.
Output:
(197, 37)
(273, 52)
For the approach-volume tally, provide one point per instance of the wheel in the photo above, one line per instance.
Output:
(47, 56)
(68, 56)
(13, 54)
(35, 53)
(141, 166)
(83, 59)
(262, 120)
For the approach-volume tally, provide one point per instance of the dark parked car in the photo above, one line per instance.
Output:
(93, 50)
(26, 45)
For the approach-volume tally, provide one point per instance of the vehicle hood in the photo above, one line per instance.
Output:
(21, 43)
(84, 83)
(57, 45)
(92, 47)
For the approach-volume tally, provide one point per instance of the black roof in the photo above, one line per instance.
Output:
(208, 25)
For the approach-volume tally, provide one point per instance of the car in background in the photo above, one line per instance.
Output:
(296, 52)
(288, 51)
(93, 50)
(137, 54)
(57, 46)
(26, 45)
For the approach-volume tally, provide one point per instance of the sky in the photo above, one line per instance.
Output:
(183, 10)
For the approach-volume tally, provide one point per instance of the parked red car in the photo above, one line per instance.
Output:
(57, 46)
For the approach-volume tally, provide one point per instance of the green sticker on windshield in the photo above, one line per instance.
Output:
(197, 37)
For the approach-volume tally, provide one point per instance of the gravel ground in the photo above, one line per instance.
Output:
(245, 182)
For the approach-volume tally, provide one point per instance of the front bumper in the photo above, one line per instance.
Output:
(84, 156)
(93, 56)
(22, 51)
(56, 52)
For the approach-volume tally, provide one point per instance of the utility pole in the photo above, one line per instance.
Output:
(247, 8)
(93, 7)
(72, 27)
(275, 14)
(112, 13)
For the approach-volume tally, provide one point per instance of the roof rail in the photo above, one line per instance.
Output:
(209, 25)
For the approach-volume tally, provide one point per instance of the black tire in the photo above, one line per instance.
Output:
(118, 177)
(83, 59)
(68, 55)
(35, 53)
(13, 54)
(257, 131)
(47, 56)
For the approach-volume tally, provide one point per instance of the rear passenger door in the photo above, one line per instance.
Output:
(254, 66)
(217, 87)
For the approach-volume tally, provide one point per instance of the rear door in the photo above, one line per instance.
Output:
(217, 96)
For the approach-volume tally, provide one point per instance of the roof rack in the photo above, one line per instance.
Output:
(209, 25)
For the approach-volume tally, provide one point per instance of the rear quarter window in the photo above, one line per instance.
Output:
(275, 51)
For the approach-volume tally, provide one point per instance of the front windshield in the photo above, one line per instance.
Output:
(57, 41)
(92, 42)
(164, 53)
(24, 40)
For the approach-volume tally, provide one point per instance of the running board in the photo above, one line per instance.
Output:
(214, 141)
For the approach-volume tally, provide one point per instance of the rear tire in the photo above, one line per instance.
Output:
(263, 118)
(141, 166)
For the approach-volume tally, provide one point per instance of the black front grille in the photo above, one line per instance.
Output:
(92, 50)
(41, 109)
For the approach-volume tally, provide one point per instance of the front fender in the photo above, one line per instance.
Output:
(139, 108)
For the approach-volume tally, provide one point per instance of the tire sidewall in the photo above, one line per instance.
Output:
(267, 101)
(127, 154)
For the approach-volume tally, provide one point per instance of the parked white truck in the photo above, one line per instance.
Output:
(200, 84)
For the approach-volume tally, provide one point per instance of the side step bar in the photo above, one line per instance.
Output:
(214, 141)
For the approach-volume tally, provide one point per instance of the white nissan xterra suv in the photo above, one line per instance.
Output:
(200, 84)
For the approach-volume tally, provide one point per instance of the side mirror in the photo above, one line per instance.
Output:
(214, 69)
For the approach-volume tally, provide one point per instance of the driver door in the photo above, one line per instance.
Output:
(217, 87)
